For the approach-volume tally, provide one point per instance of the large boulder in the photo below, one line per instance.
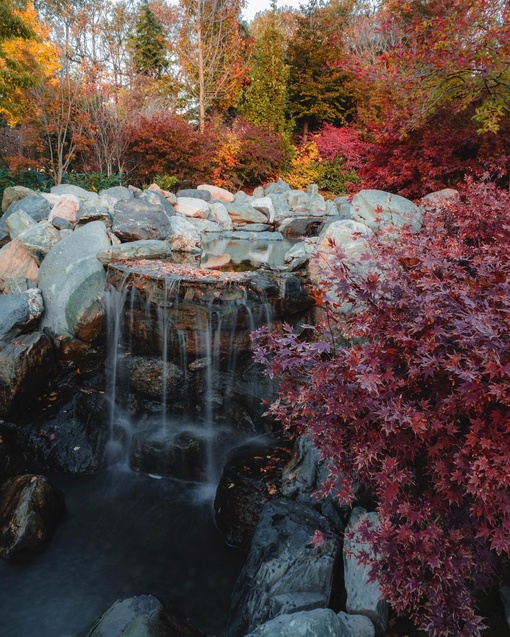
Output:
(19, 222)
(33, 205)
(192, 207)
(286, 571)
(137, 219)
(148, 249)
(92, 211)
(72, 282)
(16, 263)
(321, 622)
(14, 193)
(76, 191)
(141, 616)
(220, 194)
(379, 209)
(183, 236)
(157, 198)
(39, 240)
(18, 311)
(242, 213)
(265, 206)
(194, 193)
(363, 596)
(219, 213)
(277, 188)
(110, 196)
(72, 439)
(25, 367)
(67, 207)
(30, 508)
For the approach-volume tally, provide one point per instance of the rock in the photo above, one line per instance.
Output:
(146, 374)
(66, 208)
(216, 261)
(242, 197)
(331, 210)
(285, 572)
(220, 194)
(157, 198)
(142, 616)
(312, 190)
(300, 226)
(71, 440)
(33, 205)
(183, 456)
(80, 193)
(21, 362)
(396, 211)
(110, 196)
(19, 222)
(258, 236)
(148, 249)
(183, 236)
(363, 596)
(504, 594)
(258, 192)
(204, 225)
(14, 193)
(265, 206)
(440, 196)
(62, 224)
(194, 193)
(304, 476)
(16, 263)
(192, 207)
(172, 199)
(11, 463)
(137, 219)
(277, 188)
(300, 250)
(39, 240)
(241, 213)
(136, 191)
(219, 213)
(90, 211)
(19, 311)
(298, 200)
(250, 478)
(72, 282)
(30, 509)
(356, 625)
(256, 227)
(321, 622)
(280, 204)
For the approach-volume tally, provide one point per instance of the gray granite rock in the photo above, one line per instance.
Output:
(194, 193)
(376, 208)
(19, 222)
(363, 596)
(137, 219)
(145, 249)
(19, 311)
(72, 282)
(321, 622)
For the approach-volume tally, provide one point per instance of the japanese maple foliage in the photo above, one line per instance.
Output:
(409, 393)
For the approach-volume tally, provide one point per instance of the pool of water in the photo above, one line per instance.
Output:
(124, 534)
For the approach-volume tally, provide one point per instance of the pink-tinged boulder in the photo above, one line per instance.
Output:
(17, 263)
(166, 193)
(51, 197)
(66, 208)
(217, 193)
(191, 207)
(216, 261)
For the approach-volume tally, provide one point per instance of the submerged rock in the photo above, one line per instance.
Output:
(142, 616)
(285, 571)
(30, 508)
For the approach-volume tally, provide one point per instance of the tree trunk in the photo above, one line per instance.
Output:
(201, 78)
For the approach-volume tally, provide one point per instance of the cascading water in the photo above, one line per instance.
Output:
(186, 335)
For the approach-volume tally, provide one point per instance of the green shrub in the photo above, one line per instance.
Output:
(166, 182)
(334, 178)
(29, 178)
(93, 181)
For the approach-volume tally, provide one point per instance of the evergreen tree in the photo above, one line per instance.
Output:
(266, 97)
(149, 49)
(317, 86)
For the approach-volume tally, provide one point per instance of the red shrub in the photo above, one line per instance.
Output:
(410, 394)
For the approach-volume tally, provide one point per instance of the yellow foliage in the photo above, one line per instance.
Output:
(38, 57)
(305, 168)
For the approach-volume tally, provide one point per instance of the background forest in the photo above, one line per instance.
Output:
(403, 95)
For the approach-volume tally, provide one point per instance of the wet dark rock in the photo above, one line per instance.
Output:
(30, 508)
(183, 456)
(251, 477)
(11, 463)
(26, 365)
(205, 195)
(142, 616)
(147, 373)
(72, 437)
(19, 311)
(137, 219)
(285, 571)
